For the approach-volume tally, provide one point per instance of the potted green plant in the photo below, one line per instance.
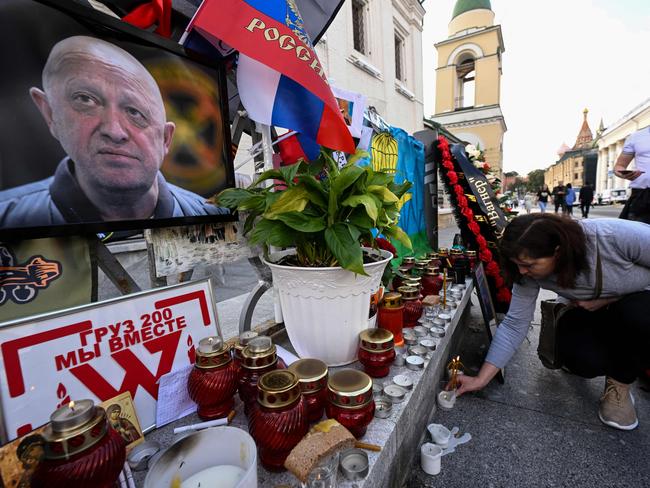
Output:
(328, 218)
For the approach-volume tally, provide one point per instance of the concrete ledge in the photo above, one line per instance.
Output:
(400, 435)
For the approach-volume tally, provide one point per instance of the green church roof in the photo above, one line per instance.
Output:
(463, 6)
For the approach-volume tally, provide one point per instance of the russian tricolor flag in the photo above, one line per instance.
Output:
(280, 79)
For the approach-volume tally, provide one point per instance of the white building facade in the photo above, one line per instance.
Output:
(610, 146)
(374, 47)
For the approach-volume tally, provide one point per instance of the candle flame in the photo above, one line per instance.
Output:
(71, 405)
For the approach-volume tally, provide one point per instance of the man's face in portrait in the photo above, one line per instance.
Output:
(105, 109)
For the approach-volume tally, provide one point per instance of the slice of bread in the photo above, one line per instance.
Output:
(323, 439)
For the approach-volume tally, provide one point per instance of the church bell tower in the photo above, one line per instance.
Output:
(468, 79)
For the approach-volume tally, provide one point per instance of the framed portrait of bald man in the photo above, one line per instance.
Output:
(105, 127)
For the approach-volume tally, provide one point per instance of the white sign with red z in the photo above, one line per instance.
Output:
(100, 350)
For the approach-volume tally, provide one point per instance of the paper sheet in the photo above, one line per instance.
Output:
(173, 400)
(286, 355)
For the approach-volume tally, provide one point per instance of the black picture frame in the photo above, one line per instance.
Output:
(15, 16)
(487, 306)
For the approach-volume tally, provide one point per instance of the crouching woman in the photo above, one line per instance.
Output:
(607, 330)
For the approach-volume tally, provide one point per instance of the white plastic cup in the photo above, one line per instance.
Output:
(440, 434)
(430, 455)
(446, 399)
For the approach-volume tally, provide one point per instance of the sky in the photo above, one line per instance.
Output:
(561, 56)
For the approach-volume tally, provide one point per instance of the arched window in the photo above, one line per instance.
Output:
(466, 83)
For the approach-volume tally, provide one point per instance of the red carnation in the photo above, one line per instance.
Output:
(453, 177)
(462, 201)
(482, 243)
(504, 295)
(475, 228)
(385, 245)
(493, 269)
(485, 255)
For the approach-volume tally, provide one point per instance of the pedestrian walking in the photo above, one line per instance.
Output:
(542, 198)
(637, 147)
(601, 267)
(528, 202)
(586, 197)
(558, 197)
(569, 199)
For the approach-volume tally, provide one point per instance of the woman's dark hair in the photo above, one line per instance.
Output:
(538, 236)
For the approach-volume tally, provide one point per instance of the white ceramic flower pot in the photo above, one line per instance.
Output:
(325, 309)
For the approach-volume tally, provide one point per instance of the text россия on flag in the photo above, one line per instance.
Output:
(281, 81)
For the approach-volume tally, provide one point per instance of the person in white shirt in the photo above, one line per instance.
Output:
(637, 147)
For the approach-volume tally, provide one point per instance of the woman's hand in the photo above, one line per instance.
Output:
(593, 305)
(468, 383)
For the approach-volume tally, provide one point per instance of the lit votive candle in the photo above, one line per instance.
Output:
(72, 415)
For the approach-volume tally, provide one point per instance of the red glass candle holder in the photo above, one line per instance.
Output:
(241, 342)
(431, 282)
(408, 262)
(412, 306)
(213, 380)
(349, 400)
(80, 449)
(258, 357)
(376, 352)
(279, 421)
(399, 277)
(312, 376)
(434, 260)
(391, 316)
(471, 257)
(443, 255)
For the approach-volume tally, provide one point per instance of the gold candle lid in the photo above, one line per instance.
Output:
(244, 338)
(73, 428)
(422, 263)
(432, 271)
(349, 388)
(470, 254)
(259, 353)
(443, 251)
(403, 269)
(376, 340)
(349, 383)
(408, 260)
(409, 293)
(433, 255)
(308, 370)
(277, 389)
(457, 252)
(413, 279)
(212, 353)
(393, 300)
